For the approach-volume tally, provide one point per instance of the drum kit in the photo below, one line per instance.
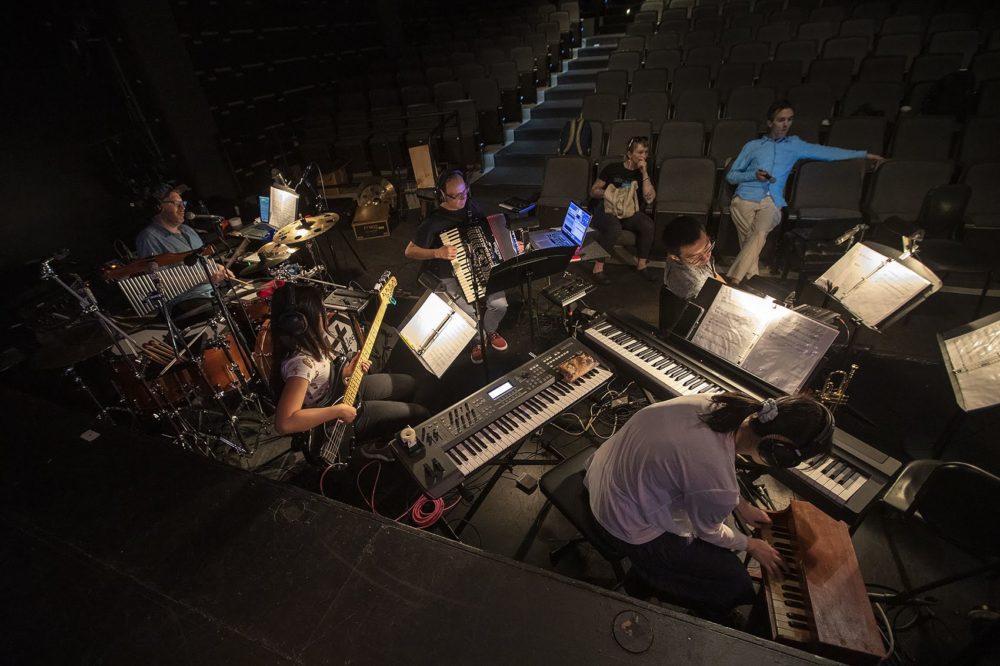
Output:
(206, 381)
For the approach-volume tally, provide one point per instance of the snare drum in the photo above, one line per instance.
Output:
(146, 396)
(218, 365)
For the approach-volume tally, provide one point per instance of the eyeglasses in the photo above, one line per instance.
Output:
(181, 203)
(637, 139)
(700, 257)
(464, 194)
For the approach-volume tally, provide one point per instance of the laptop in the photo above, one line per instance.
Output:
(265, 208)
(571, 234)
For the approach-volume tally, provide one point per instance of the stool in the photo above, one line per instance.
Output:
(564, 489)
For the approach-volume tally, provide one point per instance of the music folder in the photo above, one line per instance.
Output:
(436, 331)
(877, 285)
(972, 358)
(761, 336)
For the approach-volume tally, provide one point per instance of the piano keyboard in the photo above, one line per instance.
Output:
(174, 281)
(834, 476)
(820, 603)
(844, 483)
(666, 368)
(476, 430)
(493, 439)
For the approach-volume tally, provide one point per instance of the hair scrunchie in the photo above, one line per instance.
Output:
(768, 411)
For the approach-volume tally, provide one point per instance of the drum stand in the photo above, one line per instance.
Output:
(88, 304)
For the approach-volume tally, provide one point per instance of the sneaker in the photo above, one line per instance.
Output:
(600, 278)
(477, 354)
(497, 341)
(378, 450)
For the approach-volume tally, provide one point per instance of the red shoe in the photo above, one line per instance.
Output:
(477, 354)
(497, 341)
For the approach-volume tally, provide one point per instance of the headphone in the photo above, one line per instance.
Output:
(292, 321)
(153, 203)
(443, 180)
(780, 451)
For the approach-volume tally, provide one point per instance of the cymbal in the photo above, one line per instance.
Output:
(322, 218)
(71, 345)
(274, 250)
(305, 229)
(377, 191)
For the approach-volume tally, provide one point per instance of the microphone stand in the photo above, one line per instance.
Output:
(473, 265)
(240, 445)
(89, 306)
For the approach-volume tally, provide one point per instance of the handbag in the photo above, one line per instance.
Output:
(621, 202)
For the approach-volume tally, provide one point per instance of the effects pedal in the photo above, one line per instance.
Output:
(568, 291)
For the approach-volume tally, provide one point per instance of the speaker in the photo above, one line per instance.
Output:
(292, 321)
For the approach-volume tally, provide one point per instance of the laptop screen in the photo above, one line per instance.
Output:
(265, 208)
(575, 223)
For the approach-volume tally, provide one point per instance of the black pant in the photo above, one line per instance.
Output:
(703, 577)
(386, 406)
(608, 228)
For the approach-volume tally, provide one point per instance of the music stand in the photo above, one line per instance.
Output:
(524, 268)
(877, 285)
(436, 331)
(972, 361)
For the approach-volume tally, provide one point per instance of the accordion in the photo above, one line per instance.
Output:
(477, 252)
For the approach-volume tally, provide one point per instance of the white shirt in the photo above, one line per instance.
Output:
(667, 471)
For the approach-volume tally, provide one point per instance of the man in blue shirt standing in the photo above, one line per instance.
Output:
(759, 174)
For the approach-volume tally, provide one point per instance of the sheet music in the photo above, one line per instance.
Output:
(870, 285)
(975, 360)
(780, 346)
(789, 350)
(437, 332)
(732, 325)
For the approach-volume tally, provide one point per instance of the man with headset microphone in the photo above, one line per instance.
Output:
(662, 486)
(457, 209)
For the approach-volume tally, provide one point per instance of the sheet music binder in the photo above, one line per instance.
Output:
(971, 356)
(877, 284)
(761, 336)
(436, 331)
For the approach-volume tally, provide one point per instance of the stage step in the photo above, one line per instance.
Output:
(525, 153)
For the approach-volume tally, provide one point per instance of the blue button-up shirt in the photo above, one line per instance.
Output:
(777, 158)
(156, 239)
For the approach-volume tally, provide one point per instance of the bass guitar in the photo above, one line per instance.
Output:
(325, 444)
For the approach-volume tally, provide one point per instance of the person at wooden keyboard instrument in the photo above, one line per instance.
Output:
(663, 485)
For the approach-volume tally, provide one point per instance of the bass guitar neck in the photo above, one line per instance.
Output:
(337, 433)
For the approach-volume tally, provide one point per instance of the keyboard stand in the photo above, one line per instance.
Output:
(504, 464)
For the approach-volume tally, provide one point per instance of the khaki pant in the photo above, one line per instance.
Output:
(753, 220)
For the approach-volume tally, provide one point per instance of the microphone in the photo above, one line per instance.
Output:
(850, 233)
(154, 269)
(770, 178)
(194, 216)
(305, 175)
